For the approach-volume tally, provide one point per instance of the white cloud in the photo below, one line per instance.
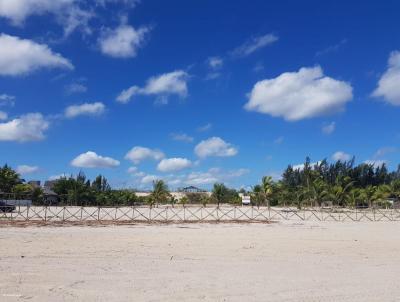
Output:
(299, 95)
(132, 170)
(29, 127)
(3, 116)
(215, 146)
(22, 56)
(68, 13)
(18, 10)
(55, 177)
(213, 175)
(329, 129)
(6, 99)
(376, 163)
(148, 179)
(173, 164)
(331, 48)
(384, 151)
(301, 166)
(25, 169)
(254, 44)
(388, 85)
(138, 154)
(340, 155)
(205, 127)
(85, 109)
(122, 42)
(162, 85)
(183, 137)
(91, 160)
(215, 62)
(75, 88)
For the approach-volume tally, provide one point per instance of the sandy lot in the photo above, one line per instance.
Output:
(308, 261)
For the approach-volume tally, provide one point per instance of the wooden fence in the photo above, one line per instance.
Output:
(165, 214)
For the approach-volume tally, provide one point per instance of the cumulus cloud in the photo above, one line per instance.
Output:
(215, 146)
(329, 129)
(22, 56)
(173, 164)
(68, 13)
(25, 169)
(138, 154)
(299, 95)
(18, 10)
(91, 160)
(123, 41)
(183, 137)
(3, 116)
(173, 83)
(7, 100)
(253, 45)
(340, 155)
(85, 109)
(388, 85)
(28, 127)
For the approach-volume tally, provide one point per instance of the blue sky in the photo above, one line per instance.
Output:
(196, 92)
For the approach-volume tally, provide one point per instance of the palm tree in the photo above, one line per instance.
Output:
(340, 190)
(160, 191)
(354, 196)
(372, 194)
(266, 188)
(256, 196)
(318, 191)
(218, 192)
(394, 189)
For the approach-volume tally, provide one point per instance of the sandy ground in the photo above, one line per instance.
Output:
(308, 261)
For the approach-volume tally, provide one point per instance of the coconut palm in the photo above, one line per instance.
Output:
(160, 191)
(266, 188)
(338, 192)
(318, 191)
(256, 196)
(394, 189)
(372, 194)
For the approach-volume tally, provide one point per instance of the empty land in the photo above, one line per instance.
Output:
(286, 261)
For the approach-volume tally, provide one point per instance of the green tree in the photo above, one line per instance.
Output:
(8, 179)
(267, 188)
(160, 193)
(218, 192)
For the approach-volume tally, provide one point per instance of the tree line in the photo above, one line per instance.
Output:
(342, 184)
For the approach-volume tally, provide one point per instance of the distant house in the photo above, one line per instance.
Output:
(49, 196)
(34, 183)
(49, 184)
(191, 189)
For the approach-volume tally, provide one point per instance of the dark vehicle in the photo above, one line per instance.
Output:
(6, 208)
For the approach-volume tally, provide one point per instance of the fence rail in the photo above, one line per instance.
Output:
(166, 214)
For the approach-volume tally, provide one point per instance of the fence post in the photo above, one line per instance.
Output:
(45, 213)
